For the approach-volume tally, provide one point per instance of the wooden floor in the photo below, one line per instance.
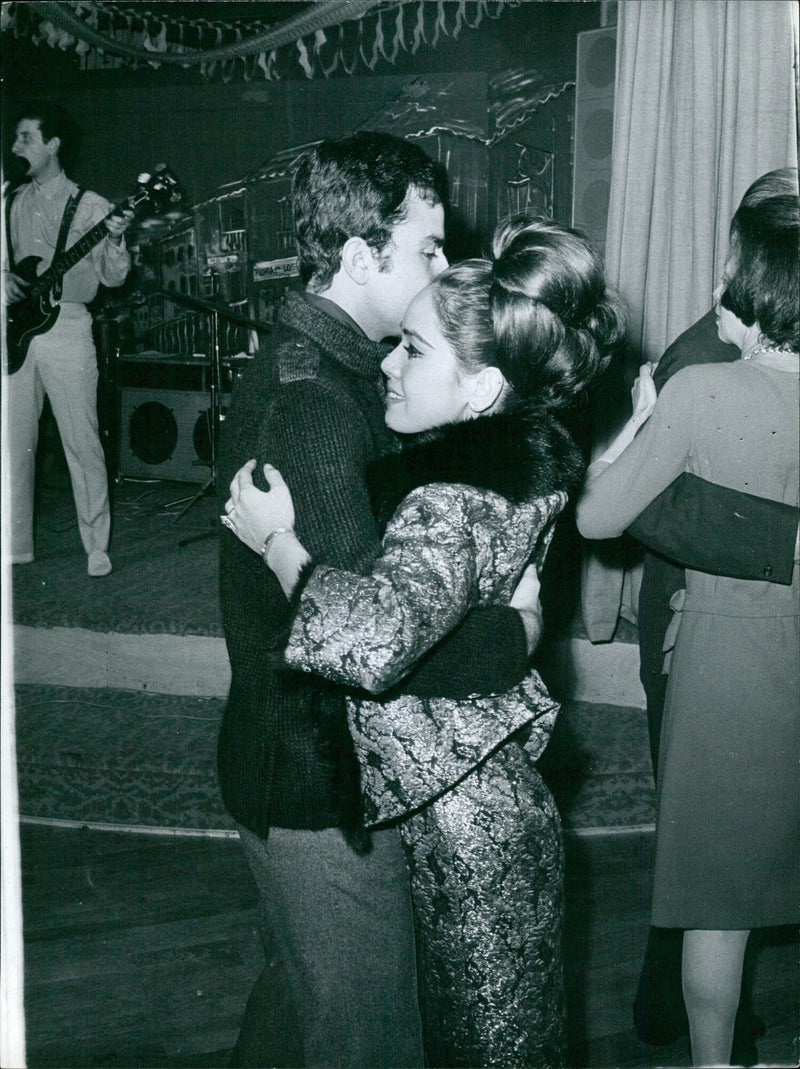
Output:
(140, 951)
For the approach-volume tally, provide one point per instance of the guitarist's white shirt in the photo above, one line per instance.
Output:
(36, 213)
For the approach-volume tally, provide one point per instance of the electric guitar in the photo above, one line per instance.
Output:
(36, 312)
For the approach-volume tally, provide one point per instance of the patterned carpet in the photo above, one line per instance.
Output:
(157, 586)
(126, 757)
(118, 757)
(130, 757)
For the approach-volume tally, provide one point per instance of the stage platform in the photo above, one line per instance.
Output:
(120, 682)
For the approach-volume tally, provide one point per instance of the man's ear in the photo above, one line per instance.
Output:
(488, 387)
(357, 259)
(53, 145)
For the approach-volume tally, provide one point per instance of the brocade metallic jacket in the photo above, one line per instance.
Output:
(310, 402)
(484, 496)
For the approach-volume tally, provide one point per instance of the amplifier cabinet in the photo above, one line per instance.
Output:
(594, 132)
(166, 434)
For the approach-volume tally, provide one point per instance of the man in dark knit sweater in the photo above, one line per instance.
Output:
(339, 986)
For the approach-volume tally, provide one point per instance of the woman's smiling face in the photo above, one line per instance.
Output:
(426, 386)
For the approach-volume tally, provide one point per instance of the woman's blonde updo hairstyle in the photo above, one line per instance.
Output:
(539, 310)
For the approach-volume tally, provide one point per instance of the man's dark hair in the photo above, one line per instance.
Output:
(54, 121)
(357, 187)
(764, 246)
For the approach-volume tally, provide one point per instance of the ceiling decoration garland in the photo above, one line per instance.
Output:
(330, 36)
(421, 110)
(516, 95)
(416, 99)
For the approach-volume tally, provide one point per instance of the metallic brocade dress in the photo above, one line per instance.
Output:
(487, 874)
(482, 832)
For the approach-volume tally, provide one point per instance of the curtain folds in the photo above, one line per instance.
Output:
(705, 102)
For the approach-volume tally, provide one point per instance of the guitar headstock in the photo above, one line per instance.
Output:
(160, 191)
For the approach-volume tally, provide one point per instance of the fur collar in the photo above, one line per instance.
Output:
(519, 455)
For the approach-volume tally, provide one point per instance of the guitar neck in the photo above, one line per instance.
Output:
(59, 267)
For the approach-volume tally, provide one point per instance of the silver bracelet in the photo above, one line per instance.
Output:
(270, 539)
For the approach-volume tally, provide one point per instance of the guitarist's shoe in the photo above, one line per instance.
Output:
(99, 563)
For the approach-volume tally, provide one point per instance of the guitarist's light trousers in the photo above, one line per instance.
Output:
(62, 364)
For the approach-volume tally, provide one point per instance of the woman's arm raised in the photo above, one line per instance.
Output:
(265, 523)
(634, 470)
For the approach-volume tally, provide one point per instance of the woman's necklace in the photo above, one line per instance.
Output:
(760, 350)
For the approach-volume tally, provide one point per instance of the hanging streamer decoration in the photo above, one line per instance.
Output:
(361, 33)
(421, 110)
(305, 61)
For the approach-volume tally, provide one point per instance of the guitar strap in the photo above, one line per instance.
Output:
(66, 221)
(9, 246)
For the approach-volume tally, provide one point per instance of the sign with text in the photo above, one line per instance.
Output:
(268, 269)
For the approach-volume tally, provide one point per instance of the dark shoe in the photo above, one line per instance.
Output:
(744, 1051)
(749, 1026)
(659, 1026)
(750, 1022)
(659, 1015)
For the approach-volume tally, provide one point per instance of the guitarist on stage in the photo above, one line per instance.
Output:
(61, 362)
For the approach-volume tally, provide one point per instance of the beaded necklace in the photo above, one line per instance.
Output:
(759, 350)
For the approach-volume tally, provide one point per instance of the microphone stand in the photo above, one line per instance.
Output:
(215, 310)
(199, 304)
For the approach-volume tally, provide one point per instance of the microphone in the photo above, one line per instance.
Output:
(16, 171)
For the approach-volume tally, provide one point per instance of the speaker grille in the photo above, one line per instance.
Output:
(166, 434)
(600, 60)
(201, 436)
(594, 205)
(152, 433)
(594, 132)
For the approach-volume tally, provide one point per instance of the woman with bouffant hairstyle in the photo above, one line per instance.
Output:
(494, 354)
